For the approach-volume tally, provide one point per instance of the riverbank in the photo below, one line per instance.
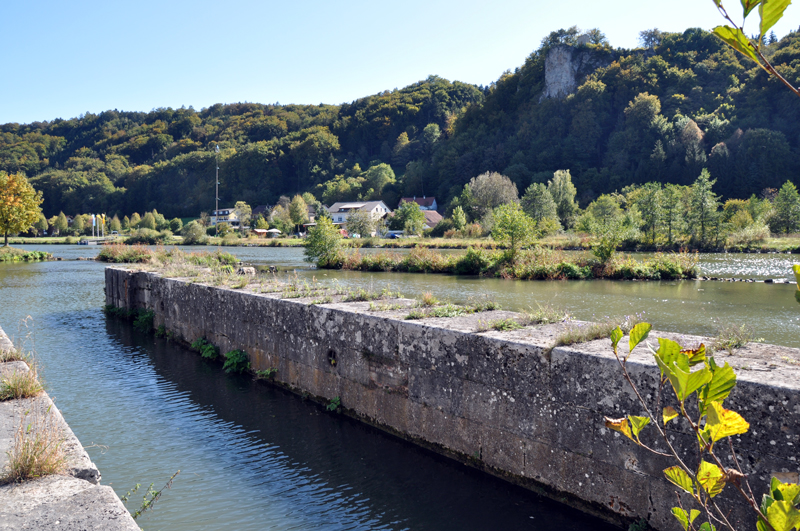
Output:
(536, 264)
(564, 242)
(71, 498)
(503, 398)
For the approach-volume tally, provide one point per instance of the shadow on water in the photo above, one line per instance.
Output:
(288, 464)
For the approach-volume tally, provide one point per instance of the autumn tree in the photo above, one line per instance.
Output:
(490, 190)
(19, 204)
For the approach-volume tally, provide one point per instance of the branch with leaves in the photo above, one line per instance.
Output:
(769, 12)
(697, 381)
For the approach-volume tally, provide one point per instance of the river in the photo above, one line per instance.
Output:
(251, 456)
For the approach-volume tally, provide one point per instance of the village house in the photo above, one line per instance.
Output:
(340, 211)
(225, 215)
(425, 203)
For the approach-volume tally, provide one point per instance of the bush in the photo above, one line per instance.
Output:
(236, 361)
(125, 254)
(206, 349)
(194, 234)
(144, 236)
(143, 322)
(474, 262)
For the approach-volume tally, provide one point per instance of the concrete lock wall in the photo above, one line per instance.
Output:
(501, 401)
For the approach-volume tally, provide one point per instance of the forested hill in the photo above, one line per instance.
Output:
(664, 112)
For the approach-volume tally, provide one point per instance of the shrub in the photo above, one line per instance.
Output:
(236, 361)
(145, 236)
(206, 349)
(20, 384)
(38, 448)
(120, 253)
(143, 321)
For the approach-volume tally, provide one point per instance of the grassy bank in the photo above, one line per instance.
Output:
(537, 264)
(11, 254)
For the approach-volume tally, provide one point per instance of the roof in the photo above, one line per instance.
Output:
(432, 218)
(356, 205)
(421, 201)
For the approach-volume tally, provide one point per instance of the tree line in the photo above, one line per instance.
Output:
(681, 103)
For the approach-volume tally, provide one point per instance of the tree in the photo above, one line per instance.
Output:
(651, 38)
(135, 220)
(78, 224)
(175, 225)
(61, 224)
(786, 216)
(148, 221)
(360, 222)
(41, 224)
(703, 206)
(672, 198)
(19, 204)
(513, 227)
(323, 244)
(459, 218)
(563, 192)
(243, 213)
(408, 217)
(281, 220)
(490, 190)
(648, 199)
(114, 224)
(126, 223)
(298, 210)
(194, 233)
(538, 203)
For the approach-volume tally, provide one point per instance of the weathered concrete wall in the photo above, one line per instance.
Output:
(71, 501)
(501, 401)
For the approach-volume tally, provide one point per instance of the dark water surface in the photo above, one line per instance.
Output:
(251, 456)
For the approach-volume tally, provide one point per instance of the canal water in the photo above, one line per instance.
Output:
(251, 456)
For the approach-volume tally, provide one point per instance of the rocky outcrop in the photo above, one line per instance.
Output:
(566, 66)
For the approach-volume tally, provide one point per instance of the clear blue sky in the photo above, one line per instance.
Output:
(62, 59)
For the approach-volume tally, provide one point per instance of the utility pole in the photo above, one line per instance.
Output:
(216, 204)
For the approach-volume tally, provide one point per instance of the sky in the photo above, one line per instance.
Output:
(63, 59)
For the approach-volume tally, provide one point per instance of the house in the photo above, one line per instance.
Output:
(340, 211)
(432, 218)
(225, 215)
(425, 203)
(261, 210)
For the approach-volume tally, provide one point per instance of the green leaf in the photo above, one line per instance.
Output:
(667, 352)
(771, 12)
(685, 383)
(724, 422)
(722, 382)
(684, 518)
(695, 356)
(737, 40)
(796, 269)
(616, 335)
(785, 491)
(638, 424)
(669, 413)
(782, 516)
(638, 334)
(707, 527)
(679, 478)
(711, 478)
(748, 6)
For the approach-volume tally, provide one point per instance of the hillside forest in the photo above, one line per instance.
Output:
(681, 105)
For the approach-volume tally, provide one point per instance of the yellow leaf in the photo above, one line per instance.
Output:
(711, 478)
(679, 478)
(669, 414)
(724, 422)
(620, 425)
